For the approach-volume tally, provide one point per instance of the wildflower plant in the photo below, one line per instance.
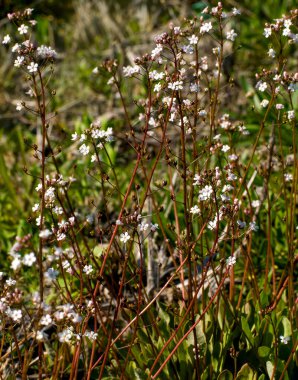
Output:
(175, 272)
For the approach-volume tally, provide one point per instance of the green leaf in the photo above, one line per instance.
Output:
(270, 369)
(225, 375)
(247, 331)
(263, 352)
(245, 373)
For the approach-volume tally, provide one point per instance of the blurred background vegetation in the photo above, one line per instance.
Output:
(84, 33)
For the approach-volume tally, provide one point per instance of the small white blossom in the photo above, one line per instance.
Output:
(15, 48)
(288, 177)
(91, 335)
(16, 263)
(51, 274)
(241, 224)
(15, 315)
(253, 226)
(143, 226)
(41, 336)
(84, 149)
(264, 103)
(10, 282)
(32, 68)
(261, 86)
(231, 35)
(231, 261)
(193, 40)
(291, 115)
(154, 227)
(267, 32)
(256, 203)
(279, 106)
(19, 106)
(23, 29)
(205, 193)
(6, 40)
(236, 12)
(284, 339)
(225, 148)
(46, 320)
(124, 237)
(29, 259)
(271, 53)
(195, 210)
(45, 234)
(175, 86)
(206, 27)
(88, 269)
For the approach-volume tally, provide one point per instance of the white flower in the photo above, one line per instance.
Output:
(35, 207)
(154, 227)
(129, 71)
(205, 193)
(194, 87)
(6, 40)
(233, 157)
(231, 35)
(279, 106)
(29, 259)
(288, 177)
(236, 12)
(271, 53)
(291, 115)
(32, 68)
(157, 87)
(91, 335)
(15, 48)
(51, 274)
(95, 70)
(45, 234)
(143, 226)
(264, 103)
(212, 224)
(241, 224)
(118, 222)
(46, 320)
(202, 113)
(16, 263)
(225, 148)
(193, 40)
(284, 339)
(256, 203)
(10, 282)
(19, 106)
(15, 315)
(253, 226)
(60, 236)
(175, 86)
(267, 32)
(124, 237)
(23, 29)
(286, 32)
(206, 27)
(74, 136)
(231, 261)
(88, 269)
(261, 86)
(156, 52)
(46, 52)
(84, 149)
(195, 210)
(65, 336)
(41, 336)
